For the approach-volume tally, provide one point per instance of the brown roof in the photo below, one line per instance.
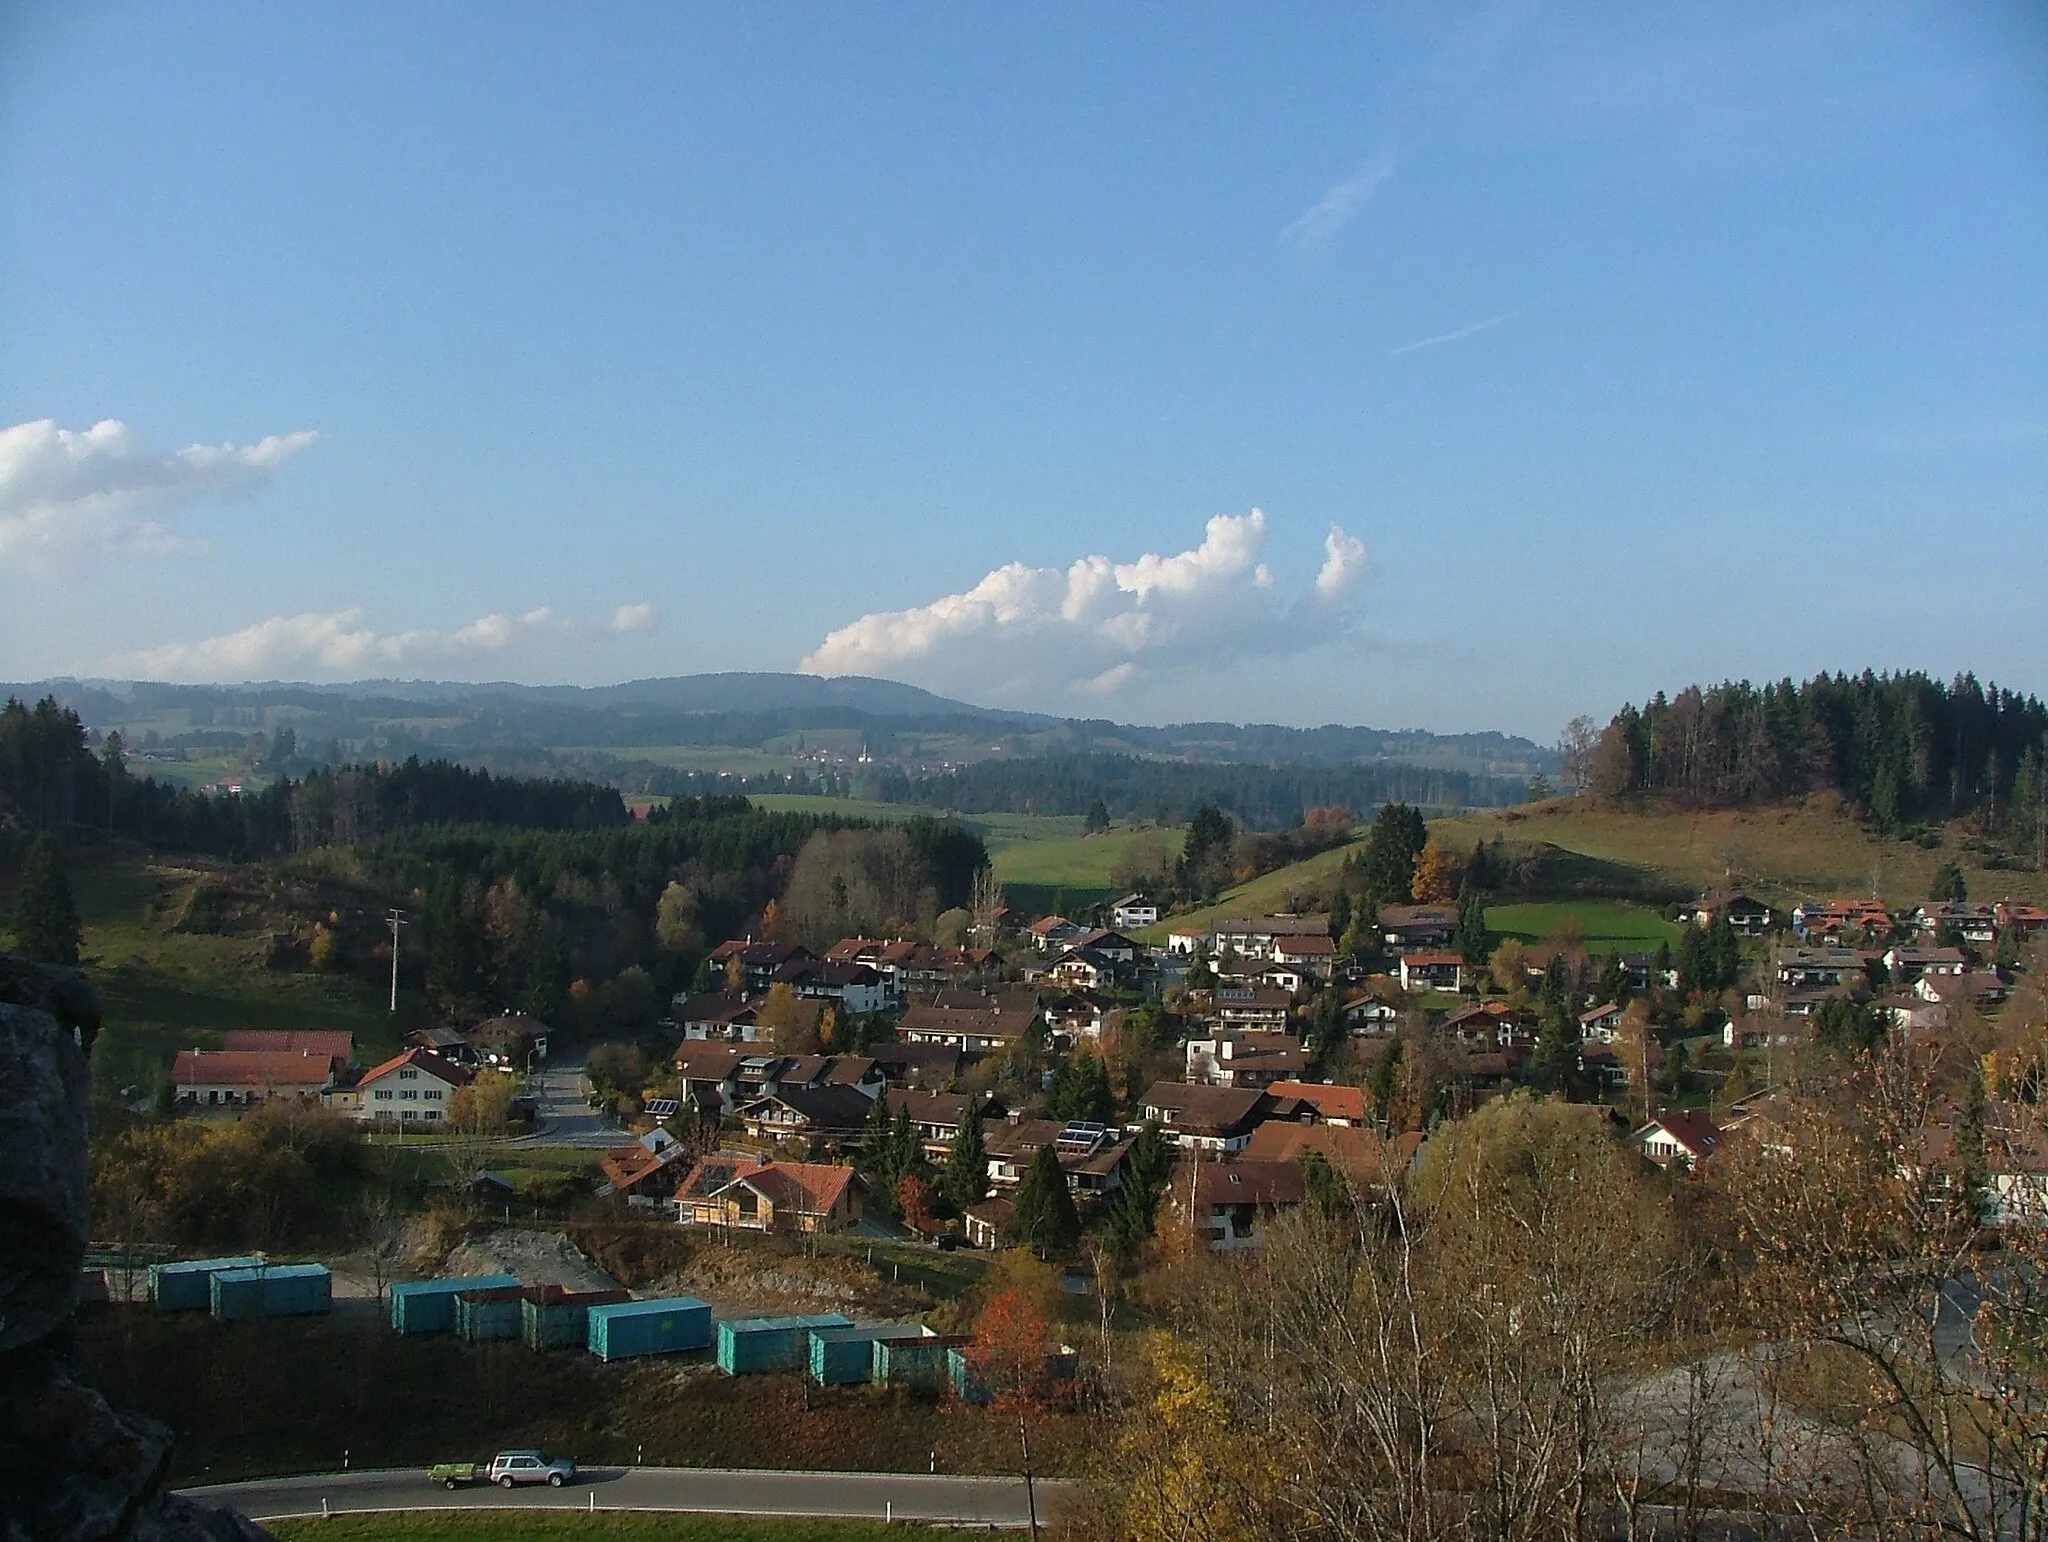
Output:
(424, 1060)
(628, 1165)
(1363, 1153)
(1203, 1109)
(1331, 1102)
(1270, 926)
(1311, 945)
(703, 1062)
(1245, 1181)
(1432, 959)
(334, 1043)
(811, 1187)
(250, 1068)
(1692, 1129)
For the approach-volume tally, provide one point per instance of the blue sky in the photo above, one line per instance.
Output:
(1566, 352)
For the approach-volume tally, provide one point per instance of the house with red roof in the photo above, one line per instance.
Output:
(1683, 1139)
(753, 1194)
(412, 1088)
(243, 1078)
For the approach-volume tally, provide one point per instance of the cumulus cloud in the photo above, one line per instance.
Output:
(67, 494)
(337, 644)
(632, 618)
(1318, 225)
(1098, 626)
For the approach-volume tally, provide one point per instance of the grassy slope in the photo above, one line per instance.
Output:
(1607, 925)
(1272, 893)
(1786, 854)
(577, 1526)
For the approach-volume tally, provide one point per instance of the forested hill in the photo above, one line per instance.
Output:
(1899, 747)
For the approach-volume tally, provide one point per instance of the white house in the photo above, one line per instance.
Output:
(415, 1087)
(1134, 910)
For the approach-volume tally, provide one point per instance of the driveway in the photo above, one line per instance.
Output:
(718, 1491)
(565, 1115)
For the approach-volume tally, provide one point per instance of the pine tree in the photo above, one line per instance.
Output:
(1045, 1218)
(1557, 1046)
(1385, 1085)
(45, 915)
(966, 1176)
(1326, 1031)
(1471, 940)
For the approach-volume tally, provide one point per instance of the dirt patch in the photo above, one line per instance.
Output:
(537, 1257)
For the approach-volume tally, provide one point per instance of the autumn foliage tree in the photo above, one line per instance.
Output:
(1433, 882)
(1010, 1360)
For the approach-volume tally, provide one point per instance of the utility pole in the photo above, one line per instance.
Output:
(395, 919)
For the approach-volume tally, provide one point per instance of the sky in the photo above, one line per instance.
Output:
(1452, 367)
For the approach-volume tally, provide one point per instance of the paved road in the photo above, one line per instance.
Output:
(565, 1115)
(848, 1495)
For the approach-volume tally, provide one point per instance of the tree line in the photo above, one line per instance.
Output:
(1899, 747)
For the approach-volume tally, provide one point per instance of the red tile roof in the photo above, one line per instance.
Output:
(1329, 1101)
(334, 1043)
(423, 1060)
(250, 1068)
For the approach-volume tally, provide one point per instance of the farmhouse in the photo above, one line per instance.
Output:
(243, 1078)
(413, 1087)
(1213, 1118)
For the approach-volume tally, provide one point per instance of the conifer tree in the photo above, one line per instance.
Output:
(966, 1176)
(1045, 1218)
(45, 915)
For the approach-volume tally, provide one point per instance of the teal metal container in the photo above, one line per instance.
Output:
(553, 1318)
(915, 1361)
(188, 1286)
(488, 1314)
(428, 1306)
(841, 1357)
(967, 1386)
(664, 1327)
(754, 1344)
(272, 1290)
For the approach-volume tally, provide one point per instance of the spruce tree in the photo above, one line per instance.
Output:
(45, 915)
(966, 1177)
(1045, 1218)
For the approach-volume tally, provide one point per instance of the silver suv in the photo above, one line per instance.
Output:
(510, 1467)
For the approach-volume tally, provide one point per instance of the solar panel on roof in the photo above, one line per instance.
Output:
(663, 1108)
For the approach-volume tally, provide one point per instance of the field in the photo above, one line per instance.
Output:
(1784, 854)
(263, 1397)
(577, 1526)
(1608, 926)
(1301, 885)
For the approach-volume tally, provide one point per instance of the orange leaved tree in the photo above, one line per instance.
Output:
(1009, 1356)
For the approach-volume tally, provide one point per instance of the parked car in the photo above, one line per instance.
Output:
(511, 1467)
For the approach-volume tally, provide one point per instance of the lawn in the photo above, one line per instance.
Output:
(577, 1526)
(1784, 854)
(1608, 925)
(1284, 890)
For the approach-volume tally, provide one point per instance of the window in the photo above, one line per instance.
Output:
(409, 1095)
(431, 1094)
(383, 1094)
(431, 1113)
(408, 1075)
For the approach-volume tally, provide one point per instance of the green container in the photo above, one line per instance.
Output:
(915, 1362)
(552, 1318)
(841, 1357)
(488, 1314)
(188, 1286)
(633, 1328)
(272, 1290)
(428, 1306)
(754, 1344)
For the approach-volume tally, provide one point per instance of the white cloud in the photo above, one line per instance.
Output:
(337, 645)
(1318, 225)
(1098, 626)
(633, 618)
(66, 494)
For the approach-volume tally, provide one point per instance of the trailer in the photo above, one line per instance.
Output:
(754, 1344)
(662, 1327)
(488, 1314)
(554, 1318)
(187, 1286)
(840, 1357)
(272, 1290)
(428, 1306)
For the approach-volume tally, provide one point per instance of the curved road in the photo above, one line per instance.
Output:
(719, 1491)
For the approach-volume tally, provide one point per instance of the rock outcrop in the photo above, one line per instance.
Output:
(71, 1468)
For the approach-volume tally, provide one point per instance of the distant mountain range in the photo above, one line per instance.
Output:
(691, 719)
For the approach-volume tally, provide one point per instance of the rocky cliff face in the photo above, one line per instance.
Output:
(71, 1468)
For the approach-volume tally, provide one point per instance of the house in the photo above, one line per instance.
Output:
(1078, 1014)
(939, 1115)
(1984, 987)
(1821, 968)
(1903, 965)
(988, 1224)
(1313, 954)
(644, 1170)
(917, 1065)
(1211, 1118)
(1323, 1102)
(448, 1043)
(336, 1045)
(415, 1086)
(1417, 928)
(731, 1016)
(244, 1078)
(1367, 1014)
(2015, 1154)
(1422, 971)
(1092, 1157)
(1833, 920)
(752, 1194)
(1080, 969)
(931, 968)
(1643, 971)
(512, 1039)
(1747, 916)
(1251, 1007)
(2024, 922)
(1227, 1202)
(1976, 924)
(1686, 1139)
(1114, 946)
(1762, 1030)
(1133, 911)
(757, 961)
(1053, 934)
(834, 1114)
(1254, 936)
(1359, 1152)
(1245, 1060)
(1186, 941)
(1601, 1023)
(856, 989)
(973, 1030)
